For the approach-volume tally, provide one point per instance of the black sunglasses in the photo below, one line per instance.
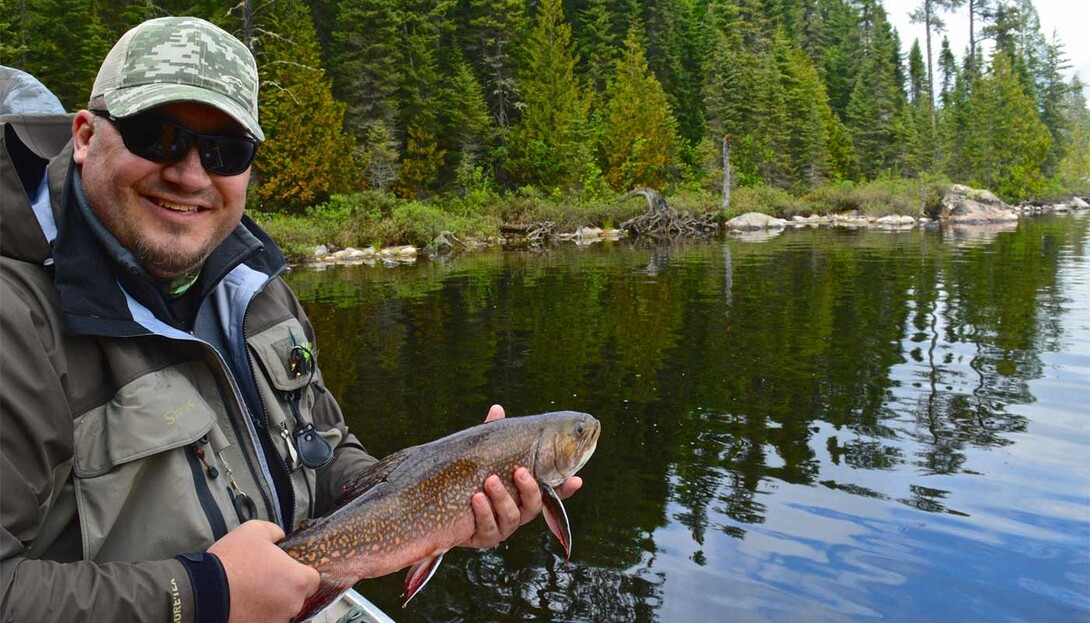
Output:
(157, 138)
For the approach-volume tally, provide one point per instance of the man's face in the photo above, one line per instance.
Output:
(170, 216)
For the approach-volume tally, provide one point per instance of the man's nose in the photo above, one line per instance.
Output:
(188, 172)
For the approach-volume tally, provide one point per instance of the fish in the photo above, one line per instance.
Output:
(411, 507)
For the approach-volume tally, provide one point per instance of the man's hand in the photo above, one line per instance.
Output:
(266, 584)
(497, 514)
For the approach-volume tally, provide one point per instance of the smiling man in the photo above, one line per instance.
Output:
(163, 420)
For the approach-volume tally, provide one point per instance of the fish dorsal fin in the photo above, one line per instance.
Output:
(376, 474)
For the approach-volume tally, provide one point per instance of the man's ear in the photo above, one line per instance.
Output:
(83, 131)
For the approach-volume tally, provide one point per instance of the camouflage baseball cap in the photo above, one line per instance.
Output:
(180, 59)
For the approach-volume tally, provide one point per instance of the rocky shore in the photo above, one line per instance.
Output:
(960, 206)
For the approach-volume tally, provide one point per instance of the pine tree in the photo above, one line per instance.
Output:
(927, 13)
(639, 137)
(1073, 170)
(810, 123)
(306, 155)
(598, 44)
(469, 124)
(497, 27)
(424, 28)
(1005, 143)
(549, 146)
(64, 54)
(365, 46)
(877, 101)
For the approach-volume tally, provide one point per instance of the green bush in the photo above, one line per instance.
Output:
(766, 200)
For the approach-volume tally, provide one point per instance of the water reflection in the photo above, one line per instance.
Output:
(829, 425)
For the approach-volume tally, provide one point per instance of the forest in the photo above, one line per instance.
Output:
(419, 100)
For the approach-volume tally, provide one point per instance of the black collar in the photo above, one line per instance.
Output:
(91, 268)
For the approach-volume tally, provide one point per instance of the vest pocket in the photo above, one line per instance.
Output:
(286, 376)
(138, 491)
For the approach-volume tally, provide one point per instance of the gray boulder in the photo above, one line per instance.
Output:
(751, 221)
(962, 204)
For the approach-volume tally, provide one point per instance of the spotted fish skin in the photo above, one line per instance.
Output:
(414, 505)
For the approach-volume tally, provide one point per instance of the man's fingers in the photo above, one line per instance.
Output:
(568, 487)
(495, 412)
(264, 528)
(488, 533)
(529, 495)
(508, 516)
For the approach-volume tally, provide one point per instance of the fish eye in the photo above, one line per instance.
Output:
(579, 428)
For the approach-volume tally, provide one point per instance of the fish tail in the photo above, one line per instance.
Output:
(330, 588)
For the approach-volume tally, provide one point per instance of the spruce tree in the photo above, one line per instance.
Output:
(639, 137)
(1005, 143)
(549, 146)
(306, 155)
(367, 66)
(928, 14)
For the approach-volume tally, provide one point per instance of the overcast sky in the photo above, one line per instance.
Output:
(1070, 19)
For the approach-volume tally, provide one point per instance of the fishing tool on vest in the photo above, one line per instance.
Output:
(314, 451)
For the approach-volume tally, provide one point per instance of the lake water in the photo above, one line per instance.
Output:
(825, 425)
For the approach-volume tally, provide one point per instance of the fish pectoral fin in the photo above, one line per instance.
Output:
(419, 574)
(329, 589)
(556, 517)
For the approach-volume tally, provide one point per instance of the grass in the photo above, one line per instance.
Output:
(375, 218)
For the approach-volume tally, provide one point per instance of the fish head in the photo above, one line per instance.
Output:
(566, 445)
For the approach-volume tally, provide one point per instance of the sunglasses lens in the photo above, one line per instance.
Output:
(155, 138)
(227, 155)
(161, 140)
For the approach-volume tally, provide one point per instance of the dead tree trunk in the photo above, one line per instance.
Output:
(661, 220)
(726, 171)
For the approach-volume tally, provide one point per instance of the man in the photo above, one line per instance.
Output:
(162, 418)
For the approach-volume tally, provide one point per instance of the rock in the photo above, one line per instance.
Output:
(1079, 204)
(321, 250)
(352, 254)
(755, 220)
(895, 221)
(962, 204)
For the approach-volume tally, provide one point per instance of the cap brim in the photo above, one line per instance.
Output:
(133, 100)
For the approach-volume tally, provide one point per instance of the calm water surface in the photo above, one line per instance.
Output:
(826, 425)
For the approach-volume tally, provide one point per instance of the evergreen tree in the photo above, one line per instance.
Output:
(874, 111)
(927, 13)
(497, 27)
(639, 138)
(365, 46)
(919, 134)
(421, 96)
(550, 144)
(598, 44)
(811, 128)
(468, 121)
(1052, 100)
(63, 53)
(948, 68)
(306, 156)
(1073, 170)
(1005, 143)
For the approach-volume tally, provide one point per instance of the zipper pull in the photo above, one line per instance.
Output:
(294, 461)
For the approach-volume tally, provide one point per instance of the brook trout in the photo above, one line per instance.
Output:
(414, 505)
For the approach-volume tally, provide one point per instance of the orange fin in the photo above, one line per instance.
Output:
(329, 590)
(419, 574)
(556, 517)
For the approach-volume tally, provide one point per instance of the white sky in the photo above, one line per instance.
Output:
(1069, 19)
